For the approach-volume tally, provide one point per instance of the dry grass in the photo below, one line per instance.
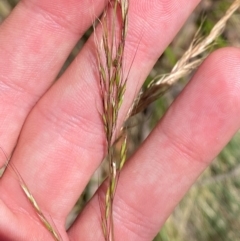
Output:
(54, 232)
(190, 60)
(110, 53)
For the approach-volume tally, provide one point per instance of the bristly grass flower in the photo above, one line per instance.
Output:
(51, 229)
(191, 59)
(110, 53)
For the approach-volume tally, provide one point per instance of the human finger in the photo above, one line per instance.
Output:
(35, 41)
(63, 142)
(196, 127)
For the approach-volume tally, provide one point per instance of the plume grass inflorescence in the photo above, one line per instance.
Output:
(191, 59)
(110, 53)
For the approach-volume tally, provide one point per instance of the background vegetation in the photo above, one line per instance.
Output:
(211, 209)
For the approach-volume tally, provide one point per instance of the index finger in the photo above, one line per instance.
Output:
(35, 41)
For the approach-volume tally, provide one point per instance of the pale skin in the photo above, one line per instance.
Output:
(58, 132)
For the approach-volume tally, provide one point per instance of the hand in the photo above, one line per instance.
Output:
(59, 134)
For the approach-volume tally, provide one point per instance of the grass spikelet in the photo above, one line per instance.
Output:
(32, 200)
(110, 52)
(40, 214)
(191, 59)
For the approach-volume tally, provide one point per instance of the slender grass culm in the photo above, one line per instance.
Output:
(110, 52)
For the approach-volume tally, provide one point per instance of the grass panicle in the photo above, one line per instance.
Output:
(110, 53)
(191, 59)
